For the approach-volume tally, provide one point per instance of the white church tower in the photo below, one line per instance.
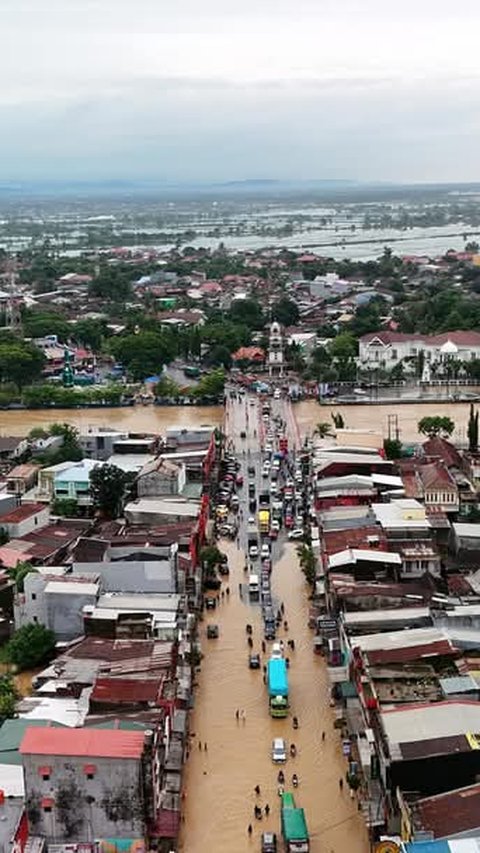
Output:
(275, 352)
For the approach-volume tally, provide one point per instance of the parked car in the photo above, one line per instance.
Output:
(254, 661)
(296, 533)
(210, 602)
(212, 632)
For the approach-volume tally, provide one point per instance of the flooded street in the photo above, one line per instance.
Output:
(220, 781)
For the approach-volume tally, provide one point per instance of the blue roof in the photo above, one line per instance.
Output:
(427, 847)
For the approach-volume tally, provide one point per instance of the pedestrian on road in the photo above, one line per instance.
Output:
(352, 794)
(257, 790)
(264, 648)
(237, 714)
(205, 747)
(199, 744)
(249, 829)
(323, 736)
(340, 784)
(227, 591)
(267, 810)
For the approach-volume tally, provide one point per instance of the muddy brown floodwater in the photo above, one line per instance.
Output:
(154, 419)
(219, 781)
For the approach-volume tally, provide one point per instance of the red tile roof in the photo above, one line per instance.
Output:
(85, 743)
(458, 337)
(249, 354)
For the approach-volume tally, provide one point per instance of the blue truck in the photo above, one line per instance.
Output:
(277, 682)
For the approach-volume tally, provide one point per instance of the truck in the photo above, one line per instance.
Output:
(264, 520)
(294, 826)
(253, 586)
(277, 682)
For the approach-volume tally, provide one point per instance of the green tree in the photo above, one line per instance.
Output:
(109, 487)
(30, 646)
(39, 324)
(90, 333)
(20, 362)
(211, 557)
(20, 572)
(248, 312)
(308, 563)
(343, 346)
(143, 354)
(8, 697)
(66, 507)
(166, 387)
(323, 429)
(219, 355)
(392, 448)
(285, 311)
(338, 420)
(436, 425)
(211, 384)
(113, 284)
(472, 430)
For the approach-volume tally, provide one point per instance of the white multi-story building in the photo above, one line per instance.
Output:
(275, 351)
(386, 349)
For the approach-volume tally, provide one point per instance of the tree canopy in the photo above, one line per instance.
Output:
(21, 362)
(248, 312)
(143, 354)
(30, 645)
(109, 486)
(285, 311)
(433, 425)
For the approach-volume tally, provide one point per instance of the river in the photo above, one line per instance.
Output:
(156, 419)
(150, 419)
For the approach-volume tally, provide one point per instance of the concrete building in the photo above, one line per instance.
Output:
(157, 511)
(22, 478)
(133, 576)
(56, 600)
(98, 442)
(74, 482)
(386, 349)
(83, 785)
(161, 477)
(24, 519)
(46, 479)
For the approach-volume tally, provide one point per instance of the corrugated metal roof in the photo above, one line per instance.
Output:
(127, 690)
(93, 743)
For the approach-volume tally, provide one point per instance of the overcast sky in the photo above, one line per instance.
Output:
(217, 90)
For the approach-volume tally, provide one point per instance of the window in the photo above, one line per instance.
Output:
(35, 618)
(46, 777)
(47, 809)
(34, 596)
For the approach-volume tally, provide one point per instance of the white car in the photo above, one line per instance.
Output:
(277, 394)
(279, 750)
(265, 552)
(253, 551)
(251, 521)
(296, 533)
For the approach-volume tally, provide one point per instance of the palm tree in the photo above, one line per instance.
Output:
(323, 429)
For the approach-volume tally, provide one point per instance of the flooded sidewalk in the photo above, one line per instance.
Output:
(220, 779)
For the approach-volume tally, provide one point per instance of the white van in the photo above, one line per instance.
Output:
(277, 651)
(253, 586)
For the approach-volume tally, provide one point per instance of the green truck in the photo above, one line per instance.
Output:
(294, 826)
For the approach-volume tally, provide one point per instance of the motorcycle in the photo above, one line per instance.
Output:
(293, 750)
(295, 723)
(295, 780)
(281, 777)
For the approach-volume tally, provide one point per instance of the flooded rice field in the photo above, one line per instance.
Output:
(220, 780)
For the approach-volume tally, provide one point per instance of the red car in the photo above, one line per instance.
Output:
(289, 521)
(239, 480)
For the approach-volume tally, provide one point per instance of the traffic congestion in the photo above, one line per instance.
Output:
(262, 705)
